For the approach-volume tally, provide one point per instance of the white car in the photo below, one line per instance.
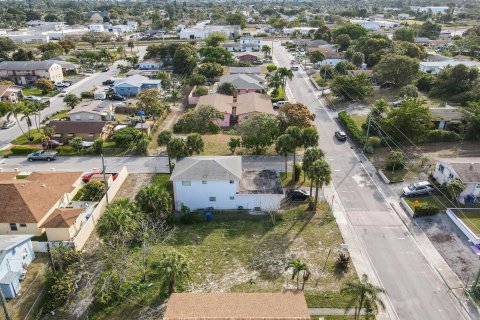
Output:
(63, 93)
(278, 104)
(418, 188)
(32, 98)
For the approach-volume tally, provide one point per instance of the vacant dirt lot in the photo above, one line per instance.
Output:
(133, 183)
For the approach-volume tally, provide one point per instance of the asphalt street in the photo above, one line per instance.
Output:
(414, 291)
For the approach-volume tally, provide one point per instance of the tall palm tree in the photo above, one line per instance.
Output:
(310, 137)
(297, 266)
(16, 110)
(175, 268)
(296, 137)
(364, 295)
(285, 74)
(36, 107)
(321, 174)
(309, 157)
(26, 115)
(266, 50)
(275, 81)
(284, 147)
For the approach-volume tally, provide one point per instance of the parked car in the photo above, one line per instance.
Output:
(88, 175)
(341, 136)
(116, 97)
(418, 188)
(257, 62)
(105, 69)
(32, 98)
(62, 84)
(90, 71)
(267, 60)
(296, 195)
(278, 104)
(51, 144)
(7, 124)
(294, 68)
(108, 82)
(42, 155)
(63, 93)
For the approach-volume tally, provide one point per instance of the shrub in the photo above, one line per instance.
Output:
(442, 136)
(86, 95)
(298, 171)
(22, 150)
(352, 129)
(190, 218)
(201, 91)
(93, 191)
(271, 67)
(425, 209)
(375, 142)
(124, 137)
(66, 150)
(97, 147)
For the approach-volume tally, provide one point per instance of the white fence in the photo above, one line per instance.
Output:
(459, 223)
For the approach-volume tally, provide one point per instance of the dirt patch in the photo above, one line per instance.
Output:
(133, 184)
(440, 238)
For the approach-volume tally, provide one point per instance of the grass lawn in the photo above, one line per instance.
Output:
(287, 181)
(279, 96)
(163, 180)
(217, 145)
(436, 201)
(359, 119)
(471, 218)
(37, 138)
(249, 255)
(32, 92)
(395, 176)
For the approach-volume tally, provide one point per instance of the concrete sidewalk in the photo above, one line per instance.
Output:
(331, 312)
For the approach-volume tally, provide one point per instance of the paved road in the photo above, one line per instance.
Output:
(414, 291)
(133, 164)
(57, 104)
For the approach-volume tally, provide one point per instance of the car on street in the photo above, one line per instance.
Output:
(105, 69)
(63, 84)
(116, 97)
(63, 93)
(257, 62)
(108, 82)
(42, 155)
(279, 104)
(267, 60)
(8, 124)
(51, 144)
(32, 98)
(294, 68)
(90, 71)
(296, 195)
(341, 136)
(418, 188)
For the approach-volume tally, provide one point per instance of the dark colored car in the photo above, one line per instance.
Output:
(116, 97)
(51, 144)
(340, 135)
(296, 195)
(105, 69)
(108, 82)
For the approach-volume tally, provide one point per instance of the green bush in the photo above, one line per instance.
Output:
(351, 128)
(201, 91)
(86, 95)
(375, 142)
(22, 150)
(190, 218)
(66, 151)
(425, 209)
(97, 147)
(442, 136)
(298, 171)
(395, 166)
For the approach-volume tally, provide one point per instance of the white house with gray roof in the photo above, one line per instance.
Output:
(27, 72)
(465, 169)
(220, 183)
(245, 82)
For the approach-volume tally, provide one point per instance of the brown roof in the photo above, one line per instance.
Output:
(77, 126)
(62, 218)
(4, 88)
(28, 200)
(221, 102)
(231, 306)
(8, 175)
(254, 102)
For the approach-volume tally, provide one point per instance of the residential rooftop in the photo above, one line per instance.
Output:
(208, 168)
(261, 181)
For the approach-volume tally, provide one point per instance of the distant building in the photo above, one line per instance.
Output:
(134, 85)
(302, 30)
(27, 72)
(96, 27)
(432, 9)
(465, 169)
(373, 25)
(10, 93)
(201, 32)
(435, 67)
(28, 37)
(148, 64)
(247, 58)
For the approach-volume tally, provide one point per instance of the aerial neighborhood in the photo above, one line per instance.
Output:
(294, 160)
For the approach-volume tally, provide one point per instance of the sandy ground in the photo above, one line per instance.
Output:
(133, 183)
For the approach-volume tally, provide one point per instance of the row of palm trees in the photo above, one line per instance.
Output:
(25, 110)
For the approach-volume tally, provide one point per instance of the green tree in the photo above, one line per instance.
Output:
(119, 222)
(454, 80)
(399, 70)
(454, 188)
(45, 85)
(343, 41)
(321, 175)
(363, 294)
(430, 30)
(317, 56)
(259, 131)
(294, 114)
(194, 143)
(177, 148)
(236, 19)
(125, 137)
(196, 80)
(76, 143)
(404, 34)
(131, 45)
(218, 55)
(134, 59)
(311, 155)
(71, 100)
(425, 82)
(67, 45)
(284, 146)
(98, 146)
(200, 120)
(23, 55)
(310, 137)
(275, 81)
(356, 87)
(354, 31)
(155, 201)
(285, 73)
(409, 91)
(215, 38)
(266, 50)
(343, 66)
(50, 50)
(409, 49)
(297, 267)
(6, 46)
(210, 70)
(395, 160)
(185, 60)
(234, 143)
(149, 101)
(92, 38)
(471, 113)
(227, 88)
(357, 59)
(296, 139)
(175, 268)
(271, 68)
(93, 190)
(163, 139)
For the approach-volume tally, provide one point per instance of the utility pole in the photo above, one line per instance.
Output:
(4, 306)
(173, 88)
(104, 178)
(368, 131)
(324, 79)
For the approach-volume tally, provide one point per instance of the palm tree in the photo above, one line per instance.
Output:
(275, 81)
(285, 74)
(194, 143)
(297, 266)
(176, 148)
(175, 267)
(309, 157)
(321, 173)
(295, 134)
(266, 50)
(15, 110)
(26, 114)
(364, 295)
(131, 45)
(36, 107)
(310, 137)
(284, 147)
(163, 139)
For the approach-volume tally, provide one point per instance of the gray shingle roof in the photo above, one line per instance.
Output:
(208, 168)
(245, 81)
(26, 65)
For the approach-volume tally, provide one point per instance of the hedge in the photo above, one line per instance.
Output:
(22, 150)
(425, 209)
(86, 95)
(442, 136)
(351, 128)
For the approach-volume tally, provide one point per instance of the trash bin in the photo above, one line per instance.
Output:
(208, 216)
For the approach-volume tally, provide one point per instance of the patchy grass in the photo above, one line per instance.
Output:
(287, 181)
(217, 144)
(395, 176)
(471, 218)
(163, 180)
(279, 96)
(435, 201)
(250, 255)
(37, 138)
(359, 120)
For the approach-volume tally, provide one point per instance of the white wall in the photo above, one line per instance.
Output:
(444, 177)
(16, 257)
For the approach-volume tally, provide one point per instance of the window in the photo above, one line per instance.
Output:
(204, 182)
(212, 199)
(232, 198)
(450, 176)
(13, 227)
(441, 168)
(186, 183)
(91, 134)
(232, 182)
(77, 116)
(70, 135)
(23, 225)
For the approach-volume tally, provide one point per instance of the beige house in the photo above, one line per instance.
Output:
(87, 130)
(28, 202)
(9, 93)
(63, 224)
(95, 110)
(27, 72)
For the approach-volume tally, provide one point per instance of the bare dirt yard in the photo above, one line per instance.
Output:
(133, 183)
